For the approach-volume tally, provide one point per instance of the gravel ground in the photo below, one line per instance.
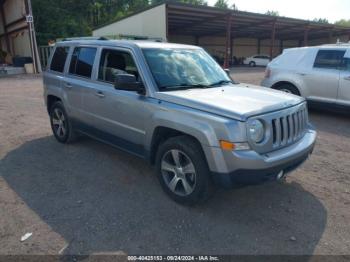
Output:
(89, 198)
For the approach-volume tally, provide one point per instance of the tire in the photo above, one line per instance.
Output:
(288, 88)
(252, 64)
(173, 178)
(60, 124)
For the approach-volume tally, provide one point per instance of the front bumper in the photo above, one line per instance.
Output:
(249, 167)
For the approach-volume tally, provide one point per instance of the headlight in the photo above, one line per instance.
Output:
(256, 130)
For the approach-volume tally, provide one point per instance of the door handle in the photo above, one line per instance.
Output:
(68, 85)
(302, 74)
(100, 94)
(347, 78)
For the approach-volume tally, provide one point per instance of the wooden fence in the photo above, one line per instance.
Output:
(44, 53)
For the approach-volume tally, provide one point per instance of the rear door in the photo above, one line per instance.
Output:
(54, 74)
(322, 80)
(78, 78)
(344, 82)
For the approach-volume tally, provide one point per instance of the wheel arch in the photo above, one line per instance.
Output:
(163, 133)
(50, 100)
(286, 82)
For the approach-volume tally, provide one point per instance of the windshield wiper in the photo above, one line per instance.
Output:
(186, 86)
(221, 82)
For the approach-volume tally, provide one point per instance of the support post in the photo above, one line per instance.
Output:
(281, 46)
(231, 49)
(306, 36)
(259, 46)
(196, 40)
(228, 39)
(273, 35)
(7, 39)
(330, 36)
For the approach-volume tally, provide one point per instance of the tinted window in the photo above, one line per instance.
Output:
(59, 59)
(82, 61)
(115, 62)
(329, 59)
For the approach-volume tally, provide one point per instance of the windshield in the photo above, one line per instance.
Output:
(184, 68)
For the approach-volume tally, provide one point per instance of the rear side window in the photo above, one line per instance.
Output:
(82, 61)
(330, 59)
(59, 59)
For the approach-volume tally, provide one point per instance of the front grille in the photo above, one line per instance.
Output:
(283, 128)
(289, 128)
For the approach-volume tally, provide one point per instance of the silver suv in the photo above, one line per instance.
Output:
(321, 74)
(176, 107)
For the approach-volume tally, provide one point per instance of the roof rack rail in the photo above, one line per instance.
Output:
(85, 38)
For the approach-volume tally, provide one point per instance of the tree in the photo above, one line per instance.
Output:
(272, 13)
(221, 4)
(321, 20)
(343, 22)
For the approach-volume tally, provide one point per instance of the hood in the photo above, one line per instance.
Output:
(239, 101)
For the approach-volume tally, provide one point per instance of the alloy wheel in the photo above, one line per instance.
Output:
(59, 123)
(178, 172)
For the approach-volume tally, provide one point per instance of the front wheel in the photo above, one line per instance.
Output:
(183, 171)
(60, 124)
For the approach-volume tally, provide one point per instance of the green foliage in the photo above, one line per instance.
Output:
(321, 20)
(343, 22)
(221, 4)
(69, 18)
(272, 13)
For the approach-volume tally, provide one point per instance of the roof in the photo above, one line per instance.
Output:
(205, 21)
(198, 20)
(125, 43)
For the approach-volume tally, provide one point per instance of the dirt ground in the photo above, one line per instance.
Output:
(89, 198)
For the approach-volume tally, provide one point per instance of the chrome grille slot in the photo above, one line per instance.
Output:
(288, 128)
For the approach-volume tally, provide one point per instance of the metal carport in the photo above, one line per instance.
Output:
(204, 21)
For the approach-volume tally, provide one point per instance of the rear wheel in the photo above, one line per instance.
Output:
(60, 124)
(183, 171)
(288, 88)
(252, 64)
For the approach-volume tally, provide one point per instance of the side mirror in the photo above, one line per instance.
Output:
(128, 82)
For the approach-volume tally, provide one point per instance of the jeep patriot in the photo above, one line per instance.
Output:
(176, 107)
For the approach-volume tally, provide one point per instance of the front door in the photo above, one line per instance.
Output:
(116, 116)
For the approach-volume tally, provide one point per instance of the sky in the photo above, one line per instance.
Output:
(333, 10)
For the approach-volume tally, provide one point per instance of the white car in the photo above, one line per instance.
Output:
(257, 60)
(321, 74)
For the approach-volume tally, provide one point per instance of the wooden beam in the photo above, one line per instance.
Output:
(202, 21)
(20, 20)
(273, 35)
(306, 36)
(228, 40)
(6, 34)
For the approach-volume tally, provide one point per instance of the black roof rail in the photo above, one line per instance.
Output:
(85, 38)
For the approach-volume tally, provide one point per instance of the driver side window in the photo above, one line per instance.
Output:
(114, 62)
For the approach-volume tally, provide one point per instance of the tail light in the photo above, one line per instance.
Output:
(267, 72)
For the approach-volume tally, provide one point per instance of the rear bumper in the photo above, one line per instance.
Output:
(249, 167)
